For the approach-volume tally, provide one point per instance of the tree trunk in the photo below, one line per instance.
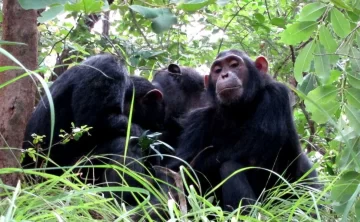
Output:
(17, 99)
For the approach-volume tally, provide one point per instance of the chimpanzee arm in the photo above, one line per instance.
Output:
(270, 127)
(195, 136)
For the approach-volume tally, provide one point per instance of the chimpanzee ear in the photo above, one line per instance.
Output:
(206, 81)
(153, 95)
(262, 64)
(173, 68)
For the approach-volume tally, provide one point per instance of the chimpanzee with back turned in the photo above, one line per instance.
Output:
(93, 94)
(183, 89)
(249, 124)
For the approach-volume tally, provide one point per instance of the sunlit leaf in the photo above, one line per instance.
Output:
(353, 80)
(312, 11)
(353, 115)
(303, 61)
(334, 75)
(51, 13)
(345, 186)
(259, 17)
(328, 41)
(163, 23)
(326, 98)
(321, 63)
(194, 5)
(39, 4)
(339, 22)
(279, 22)
(87, 6)
(353, 97)
(298, 32)
(341, 4)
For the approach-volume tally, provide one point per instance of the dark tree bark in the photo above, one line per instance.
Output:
(17, 99)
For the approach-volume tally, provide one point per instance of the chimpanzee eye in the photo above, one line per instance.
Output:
(217, 69)
(234, 64)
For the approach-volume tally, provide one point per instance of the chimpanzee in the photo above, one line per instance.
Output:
(248, 124)
(93, 94)
(183, 89)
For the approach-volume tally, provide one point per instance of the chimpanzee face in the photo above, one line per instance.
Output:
(229, 75)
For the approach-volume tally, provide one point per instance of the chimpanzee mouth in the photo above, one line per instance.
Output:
(229, 89)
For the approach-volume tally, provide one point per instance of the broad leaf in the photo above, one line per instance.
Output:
(354, 80)
(328, 41)
(149, 13)
(163, 22)
(355, 60)
(87, 6)
(259, 17)
(303, 61)
(340, 24)
(353, 115)
(51, 13)
(298, 32)
(334, 76)
(194, 5)
(321, 63)
(353, 97)
(344, 188)
(39, 4)
(310, 82)
(279, 22)
(312, 11)
(326, 98)
(341, 4)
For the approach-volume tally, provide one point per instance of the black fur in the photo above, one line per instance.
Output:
(183, 89)
(96, 93)
(257, 130)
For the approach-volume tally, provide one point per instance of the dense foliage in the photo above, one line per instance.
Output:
(313, 46)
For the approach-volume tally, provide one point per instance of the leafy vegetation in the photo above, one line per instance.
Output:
(313, 46)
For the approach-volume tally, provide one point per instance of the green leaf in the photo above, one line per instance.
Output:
(353, 97)
(357, 209)
(39, 4)
(259, 17)
(149, 13)
(326, 98)
(279, 22)
(353, 115)
(163, 22)
(194, 5)
(51, 13)
(303, 61)
(328, 41)
(334, 75)
(321, 63)
(87, 6)
(355, 60)
(353, 80)
(340, 24)
(222, 2)
(341, 4)
(344, 188)
(310, 82)
(298, 32)
(312, 11)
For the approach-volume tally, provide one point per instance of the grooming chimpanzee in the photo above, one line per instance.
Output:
(183, 89)
(249, 124)
(93, 94)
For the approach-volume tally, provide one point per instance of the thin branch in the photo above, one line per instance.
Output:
(227, 25)
(139, 28)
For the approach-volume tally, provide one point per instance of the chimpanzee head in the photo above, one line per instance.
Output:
(234, 78)
(149, 108)
(182, 88)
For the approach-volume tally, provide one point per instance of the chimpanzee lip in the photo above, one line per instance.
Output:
(229, 88)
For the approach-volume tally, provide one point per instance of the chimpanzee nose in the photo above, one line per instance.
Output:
(225, 75)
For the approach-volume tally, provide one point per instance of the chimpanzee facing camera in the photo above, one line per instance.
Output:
(249, 123)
